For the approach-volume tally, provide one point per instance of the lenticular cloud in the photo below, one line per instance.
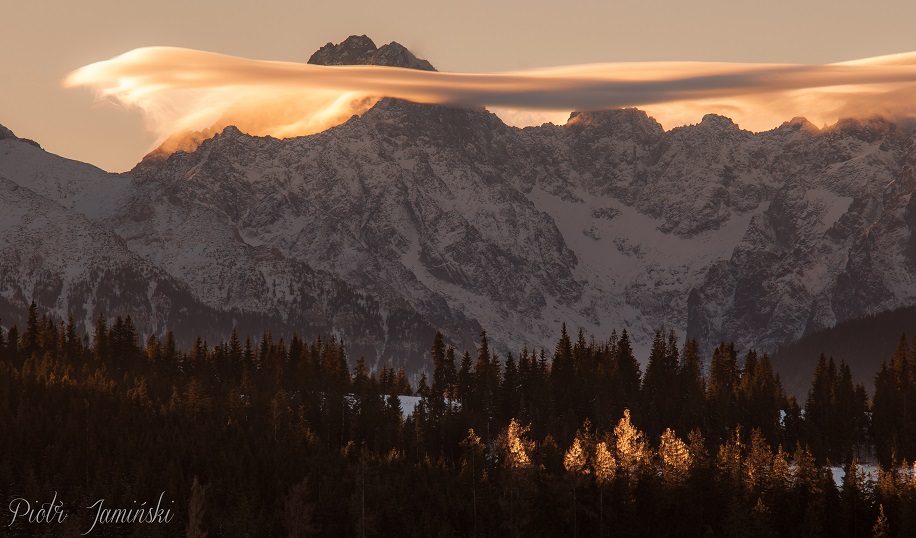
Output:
(187, 89)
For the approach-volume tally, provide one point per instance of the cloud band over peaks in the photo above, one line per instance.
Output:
(180, 89)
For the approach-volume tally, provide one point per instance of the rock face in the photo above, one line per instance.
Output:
(413, 218)
(360, 50)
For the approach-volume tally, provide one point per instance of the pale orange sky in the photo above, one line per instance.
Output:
(44, 41)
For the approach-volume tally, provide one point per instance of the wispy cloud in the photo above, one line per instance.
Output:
(188, 89)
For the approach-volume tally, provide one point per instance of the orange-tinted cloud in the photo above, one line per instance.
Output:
(188, 89)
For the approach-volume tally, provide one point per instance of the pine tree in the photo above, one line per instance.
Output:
(758, 465)
(510, 391)
(660, 386)
(562, 375)
(721, 392)
(855, 500)
(881, 528)
(440, 382)
(235, 349)
(72, 341)
(31, 335)
(451, 374)
(466, 383)
(473, 451)
(12, 347)
(820, 409)
(100, 346)
(627, 375)
(486, 386)
(691, 388)
(904, 374)
(760, 397)
(846, 417)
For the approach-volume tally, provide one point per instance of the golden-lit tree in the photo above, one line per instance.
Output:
(576, 459)
(881, 528)
(675, 458)
(515, 446)
(576, 463)
(758, 471)
(633, 452)
(515, 449)
(604, 465)
(729, 462)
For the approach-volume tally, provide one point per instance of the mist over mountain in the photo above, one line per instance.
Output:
(412, 218)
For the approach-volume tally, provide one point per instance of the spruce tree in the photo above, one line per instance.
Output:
(820, 409)
(627, 376)
(31, 334)
(510, 391)
(691, 388)
(660, 386)
(562, 374)
(720, 392)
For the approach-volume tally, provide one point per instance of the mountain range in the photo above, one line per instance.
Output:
(412, 218)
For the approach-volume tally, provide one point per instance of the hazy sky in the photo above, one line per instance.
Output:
(43, 41)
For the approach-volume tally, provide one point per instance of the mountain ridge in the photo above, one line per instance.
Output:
(446, 218)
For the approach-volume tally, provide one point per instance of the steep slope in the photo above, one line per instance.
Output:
(68, 265)
(60, 251)
(831, 245)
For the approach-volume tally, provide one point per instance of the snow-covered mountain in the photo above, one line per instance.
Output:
(415, 217)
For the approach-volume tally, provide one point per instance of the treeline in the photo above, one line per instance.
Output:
(286, 439)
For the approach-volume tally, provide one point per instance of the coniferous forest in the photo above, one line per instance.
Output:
(285, 436)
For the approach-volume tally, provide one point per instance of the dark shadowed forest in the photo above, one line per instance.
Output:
(287, 436)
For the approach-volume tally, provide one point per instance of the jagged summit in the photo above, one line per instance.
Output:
(355, 50)
(360, 50)
(624, 121)
(718, 121)
(798, 123)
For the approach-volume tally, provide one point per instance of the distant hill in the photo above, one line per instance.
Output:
(863, 343)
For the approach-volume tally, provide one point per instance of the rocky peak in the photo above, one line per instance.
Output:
(624, 122)
(396, 119)
(355, 50)
(360, 50)
(718, 122)
(865, 129)
(396, 55)
(798, 123)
